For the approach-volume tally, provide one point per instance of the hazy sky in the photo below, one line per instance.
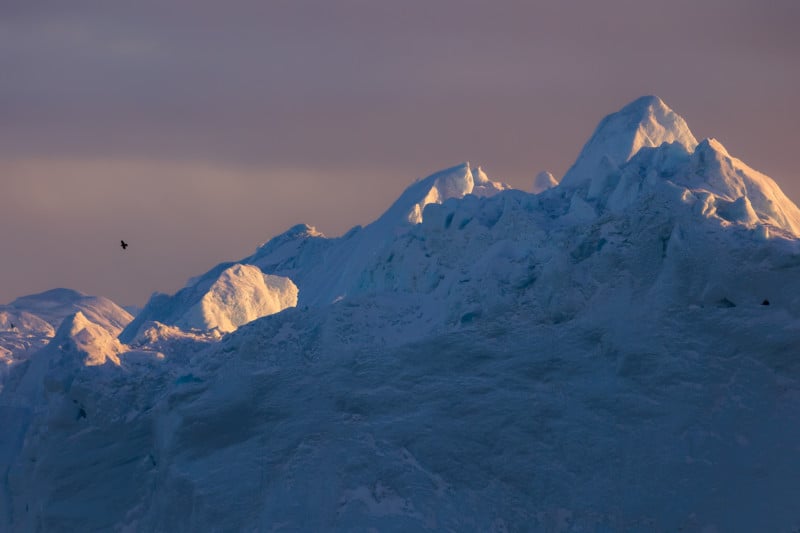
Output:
(195, 130)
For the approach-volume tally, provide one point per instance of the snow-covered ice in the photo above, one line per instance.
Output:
(592, 357)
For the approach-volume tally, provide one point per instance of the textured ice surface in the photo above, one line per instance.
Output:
(595, 357)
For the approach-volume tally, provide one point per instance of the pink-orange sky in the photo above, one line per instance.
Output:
(197, 129)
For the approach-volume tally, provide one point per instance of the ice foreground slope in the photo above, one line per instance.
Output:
(566, 361)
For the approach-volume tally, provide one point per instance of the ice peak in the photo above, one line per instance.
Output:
(729, 178)
(303, 230)
(712, 145)
(454, 182)
(479, 176)
(645, 122)
(543, 181)
(72, 324)
(93, 343)
(296, 233)
(645, 104)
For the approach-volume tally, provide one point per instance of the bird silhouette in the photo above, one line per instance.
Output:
(123, 244)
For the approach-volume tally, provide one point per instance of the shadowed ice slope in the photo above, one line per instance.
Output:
(594, 357)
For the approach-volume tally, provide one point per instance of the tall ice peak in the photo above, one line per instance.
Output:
(645, 122)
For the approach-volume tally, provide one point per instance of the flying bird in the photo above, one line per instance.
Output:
(123, 244)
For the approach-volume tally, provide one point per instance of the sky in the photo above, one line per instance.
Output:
(196, 130)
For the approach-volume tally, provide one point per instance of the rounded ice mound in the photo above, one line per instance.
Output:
(241, 294)
(92, 342)
(55, 305)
